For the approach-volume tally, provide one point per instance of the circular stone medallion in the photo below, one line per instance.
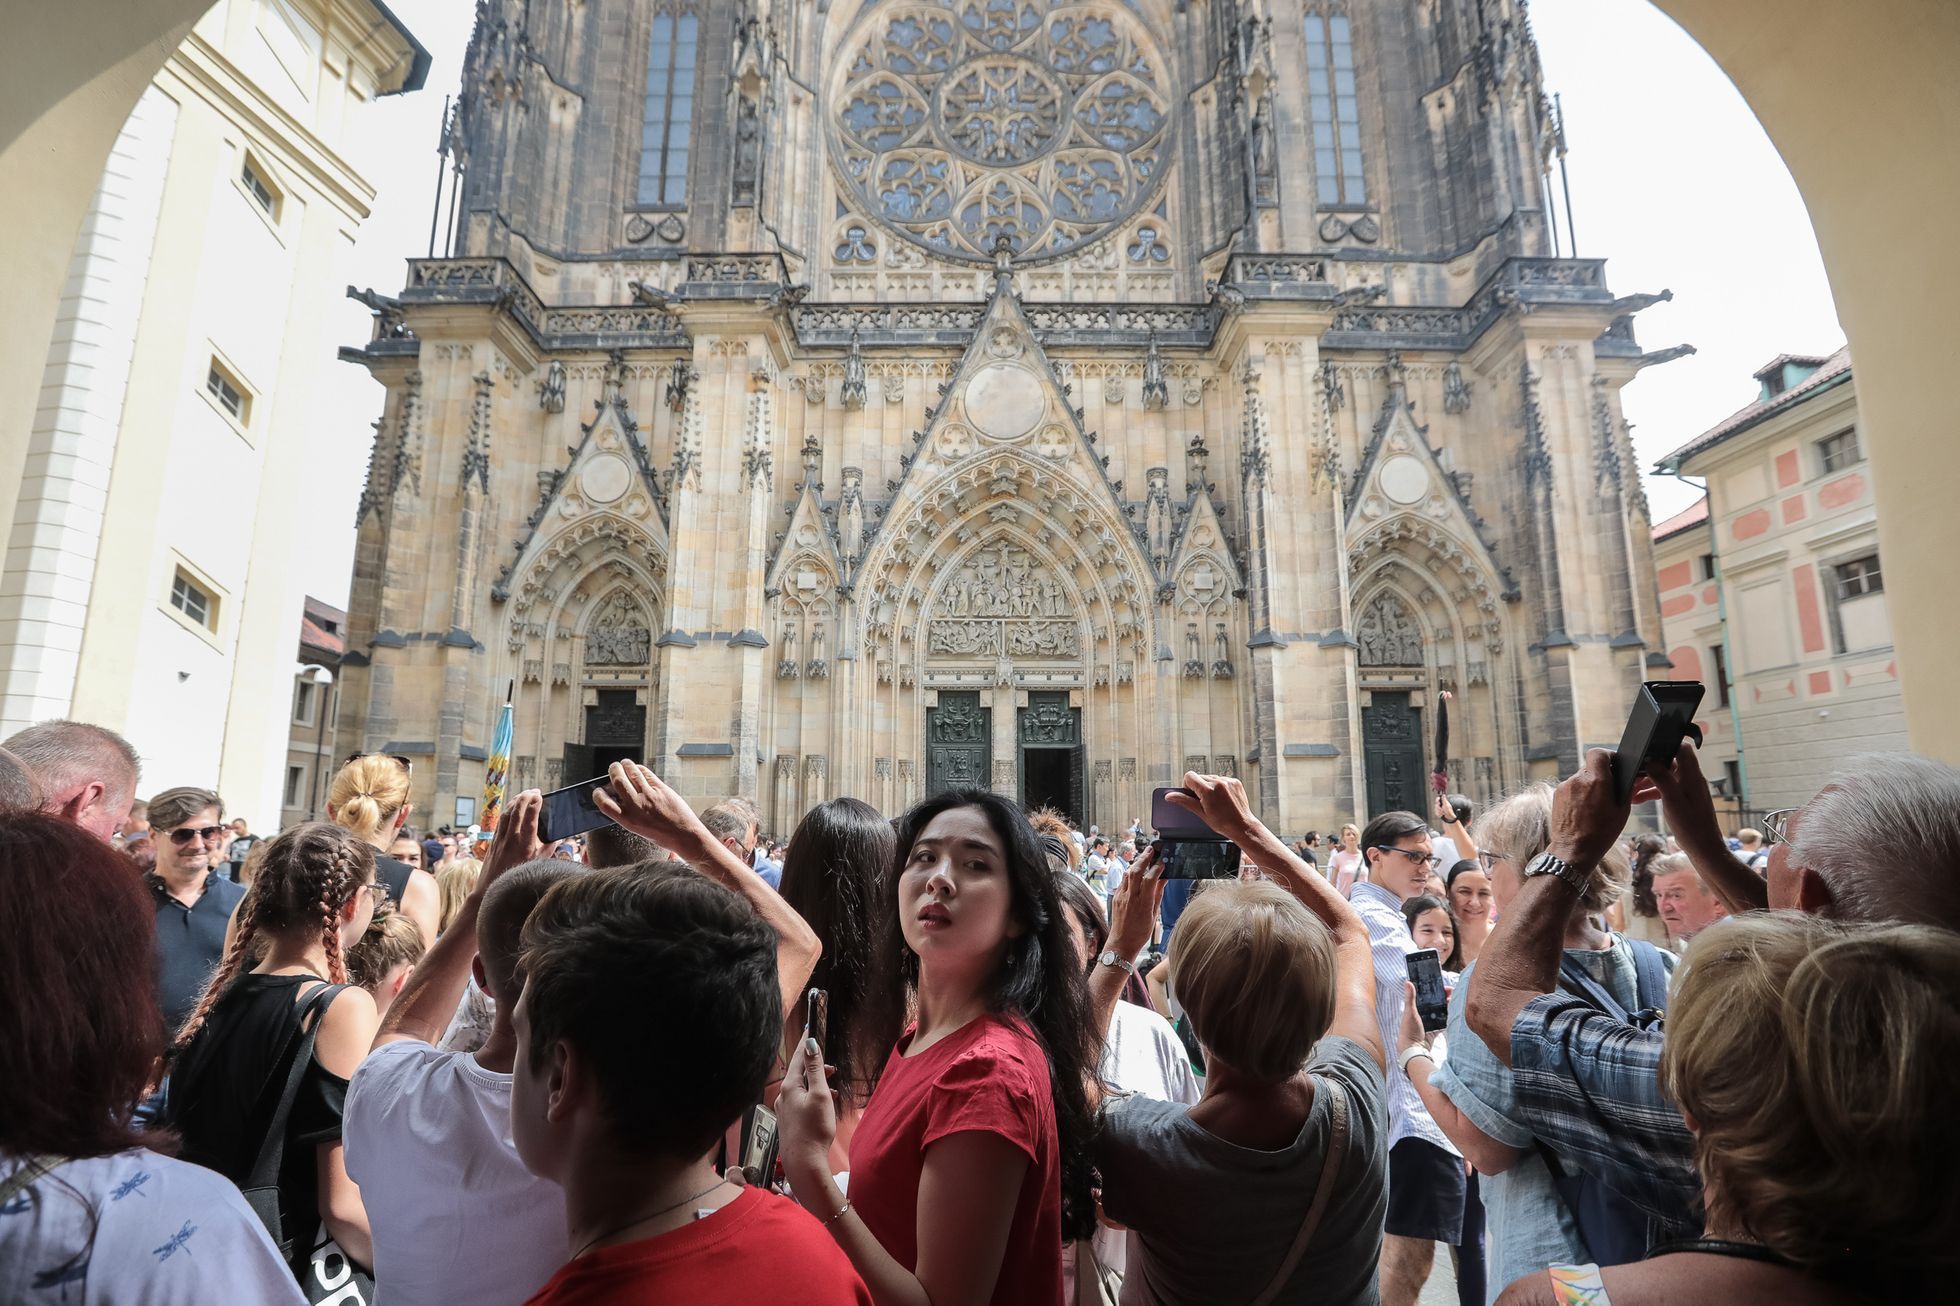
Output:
(605, 478)
(1004, 401)
(1403, 479)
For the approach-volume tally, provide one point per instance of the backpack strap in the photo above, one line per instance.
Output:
(1582, 984)
(32, 1169)
(1323, 1191)
(1650, 977)
(272, 1150)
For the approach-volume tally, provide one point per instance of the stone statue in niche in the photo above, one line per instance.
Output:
(850, 517)
(1456, 390)
(748, 149)
(1003, 581)
(618, 636)
(1265, 165)
(852, 392)
(786, 668)
(551, 390)
(1389, 635)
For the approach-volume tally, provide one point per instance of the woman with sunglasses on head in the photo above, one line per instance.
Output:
(311, 900)
(970, 1164)
(369, 796)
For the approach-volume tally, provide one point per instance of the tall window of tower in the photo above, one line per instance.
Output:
(669, 107)
(1336, 111)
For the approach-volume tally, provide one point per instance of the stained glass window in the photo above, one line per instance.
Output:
(669, 108)
(1336, 111)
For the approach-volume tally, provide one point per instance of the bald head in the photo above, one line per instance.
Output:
(87, 775)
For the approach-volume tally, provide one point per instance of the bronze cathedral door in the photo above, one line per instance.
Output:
(959, 741)
(1391, 744)
(1050, 746)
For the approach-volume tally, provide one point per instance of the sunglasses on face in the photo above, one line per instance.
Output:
(188, 833)
(1421, 859)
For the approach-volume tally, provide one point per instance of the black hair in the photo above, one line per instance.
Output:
(1086, 907)
(611, 846)
(833, 875)
(1039, 981)
(1384, 830)
(1646, 848)
(1467, 864)
(1461, 807)
(1423, 902)
(665, 983)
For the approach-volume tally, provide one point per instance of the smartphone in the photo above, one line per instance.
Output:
(1188, 848)
(759, 1148)
(816, 1017)
(571, 811)
(1432, 1002)
(1663, 715)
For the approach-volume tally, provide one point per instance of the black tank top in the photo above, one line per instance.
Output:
(394, 874)
(225, 1087)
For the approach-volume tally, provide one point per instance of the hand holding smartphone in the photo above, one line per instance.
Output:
(1432, 1001)
(1186, 845)
(571, 811)
(1663, 715)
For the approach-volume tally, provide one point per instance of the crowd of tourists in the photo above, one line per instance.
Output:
(968, 1054)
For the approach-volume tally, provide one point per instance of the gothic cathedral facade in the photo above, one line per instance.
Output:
(871, 396)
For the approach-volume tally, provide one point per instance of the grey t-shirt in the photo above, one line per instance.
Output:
(1214, 1220)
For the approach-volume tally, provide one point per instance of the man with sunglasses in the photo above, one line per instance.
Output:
(1426, 1182)
(194, 903)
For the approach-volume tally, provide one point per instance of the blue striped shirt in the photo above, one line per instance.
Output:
(1390, 944)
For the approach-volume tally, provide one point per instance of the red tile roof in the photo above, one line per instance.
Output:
(313, 632)
(1695, 514)
(1832, 370)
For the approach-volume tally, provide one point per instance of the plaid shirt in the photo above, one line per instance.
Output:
(1589, 1086)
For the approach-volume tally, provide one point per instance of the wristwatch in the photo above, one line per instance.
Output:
(1573, 877)
(1109, 958)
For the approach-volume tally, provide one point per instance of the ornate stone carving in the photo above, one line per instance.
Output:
(786, 665)
(852, 392)
(1221, 666)
(1456, 390)
(1007, 122)
(619, 635)
(1388, 634)
(1156, 391)
(551, 390)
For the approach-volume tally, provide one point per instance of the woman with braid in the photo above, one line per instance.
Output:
(311, 900)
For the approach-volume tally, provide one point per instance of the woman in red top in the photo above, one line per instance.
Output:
(970, 1165)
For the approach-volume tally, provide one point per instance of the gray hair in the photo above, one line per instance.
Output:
(19, 790)
(1520, 827)
(1674, 864)
(731, 818)
(64, 755)
(173, 807)
(1884, 836)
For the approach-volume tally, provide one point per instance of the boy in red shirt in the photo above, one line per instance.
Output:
(649, 1021)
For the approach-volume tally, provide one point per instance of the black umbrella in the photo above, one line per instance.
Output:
(1441, 776)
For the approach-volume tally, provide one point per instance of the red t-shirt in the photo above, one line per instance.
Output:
(743, 1253)
(990, 1076)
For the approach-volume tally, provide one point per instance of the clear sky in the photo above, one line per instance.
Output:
(1673, 182)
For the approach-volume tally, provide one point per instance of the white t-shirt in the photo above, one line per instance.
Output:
(456, 1216)
(165, 1232)
(1143, 1055)
(1445, 847)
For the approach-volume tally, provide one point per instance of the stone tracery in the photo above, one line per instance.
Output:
(1043, 126)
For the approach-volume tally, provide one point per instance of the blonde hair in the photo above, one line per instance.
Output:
(1255, 971)
(1814, 1060)
(456, 881)
(1520, 827)
(366, 794)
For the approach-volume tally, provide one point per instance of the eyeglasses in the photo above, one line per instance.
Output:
(188, 833)
(407, 764)
(1421, 859)
(1776, 826)
(376, 890)
(1490, 857)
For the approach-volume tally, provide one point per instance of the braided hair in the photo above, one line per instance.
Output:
(306, 877)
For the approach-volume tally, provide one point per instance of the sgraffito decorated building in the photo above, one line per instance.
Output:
(870, 397)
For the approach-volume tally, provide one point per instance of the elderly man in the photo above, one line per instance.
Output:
(1880, 842)
(87, 775)
(1687, 905)
(19, 790)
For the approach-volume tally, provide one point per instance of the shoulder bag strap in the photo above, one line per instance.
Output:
(1323, 1192)
(272, 1150)
(1585, 986)
(32, 1168)
(1650, 977)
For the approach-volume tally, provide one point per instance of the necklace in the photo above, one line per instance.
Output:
(1745, 1251)
(642, 1219)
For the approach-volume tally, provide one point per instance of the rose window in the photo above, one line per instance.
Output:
(963, 125)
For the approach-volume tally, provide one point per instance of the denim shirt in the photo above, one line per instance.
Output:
(1529, 1227)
